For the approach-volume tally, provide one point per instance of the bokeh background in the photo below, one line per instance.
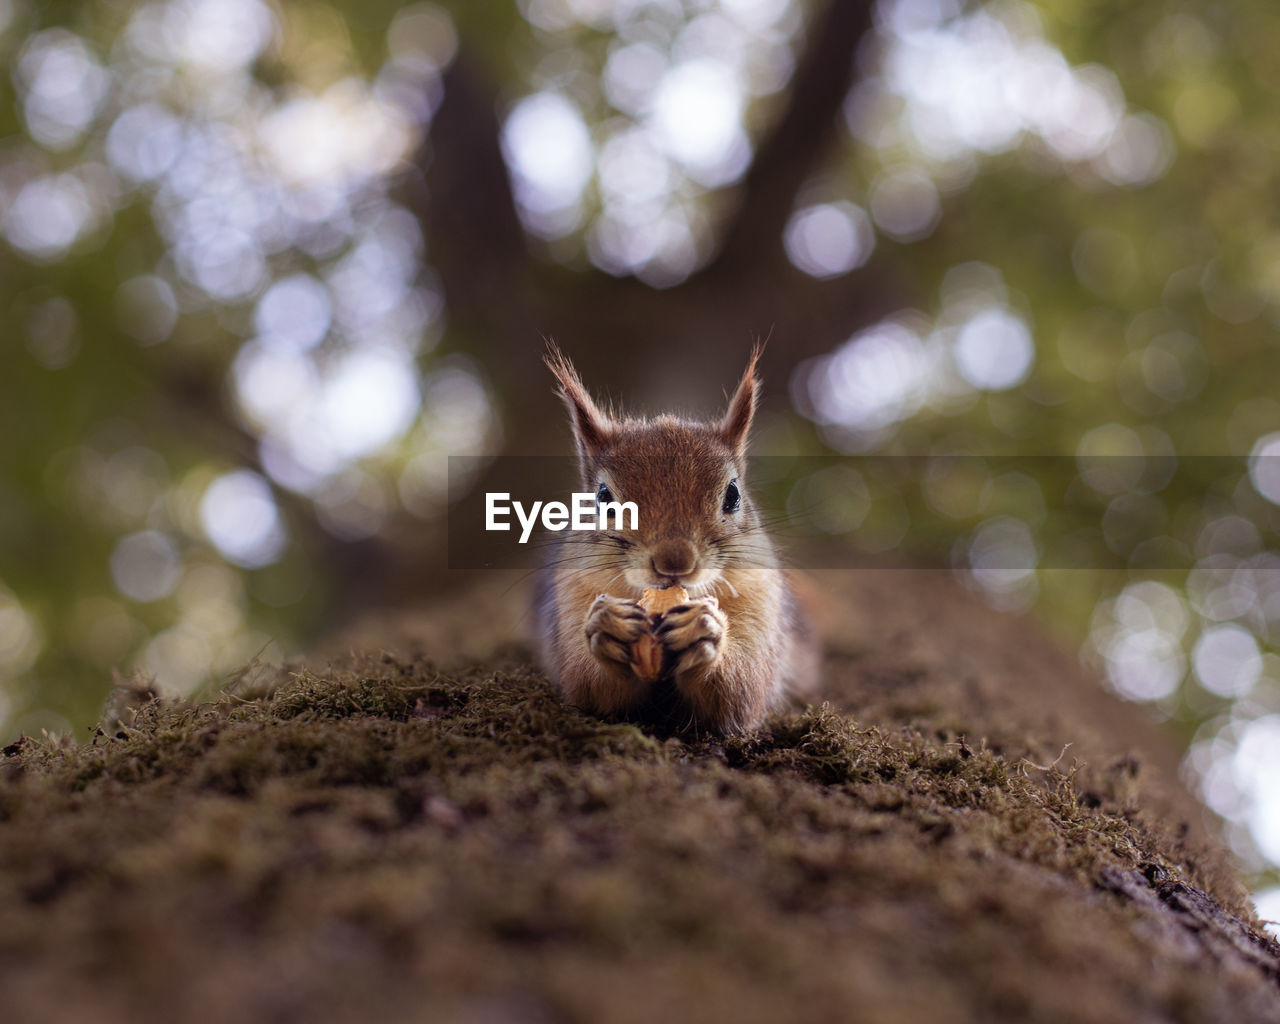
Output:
(266, 264)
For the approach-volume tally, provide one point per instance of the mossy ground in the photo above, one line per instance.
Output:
(407, 836)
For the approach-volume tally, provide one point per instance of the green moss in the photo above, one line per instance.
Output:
(398, 837)
(356, 838)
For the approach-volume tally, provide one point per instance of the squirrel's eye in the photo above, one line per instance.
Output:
(603, 495)
(732, 498)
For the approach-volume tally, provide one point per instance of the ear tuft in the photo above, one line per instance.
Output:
(591, 428)
(736, 425)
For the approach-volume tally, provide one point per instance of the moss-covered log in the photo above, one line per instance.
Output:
(407, 835)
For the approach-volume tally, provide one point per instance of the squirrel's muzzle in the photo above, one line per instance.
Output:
(674, 557)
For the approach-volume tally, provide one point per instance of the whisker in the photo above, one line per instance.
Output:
(614, 579)
(543, 542)
(603, 562)
(581, 556)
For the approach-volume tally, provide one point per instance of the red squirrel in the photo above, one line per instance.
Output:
(739, 644)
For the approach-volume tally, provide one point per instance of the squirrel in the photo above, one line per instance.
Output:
(740, 643)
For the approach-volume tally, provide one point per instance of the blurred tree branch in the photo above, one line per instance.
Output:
(474, 236)
(800, 139)
(626, 336)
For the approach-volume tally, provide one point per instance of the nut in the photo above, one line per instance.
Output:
(646, 658)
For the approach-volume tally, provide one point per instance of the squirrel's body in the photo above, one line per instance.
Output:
(739, 644)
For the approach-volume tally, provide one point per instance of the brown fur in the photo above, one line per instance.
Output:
(736, 648)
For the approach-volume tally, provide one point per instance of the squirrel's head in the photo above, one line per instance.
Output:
(686, 477)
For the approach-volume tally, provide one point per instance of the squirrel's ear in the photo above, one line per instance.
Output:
(736, 424)
(591, 427)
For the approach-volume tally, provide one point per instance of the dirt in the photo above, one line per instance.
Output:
(422, 830)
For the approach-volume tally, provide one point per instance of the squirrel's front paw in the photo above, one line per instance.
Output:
(613, 625)
(693, 633)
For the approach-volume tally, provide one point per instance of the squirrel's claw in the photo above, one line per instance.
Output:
(693, 633)
(613, 624)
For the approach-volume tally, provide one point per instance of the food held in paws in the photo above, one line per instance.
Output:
(647, 651)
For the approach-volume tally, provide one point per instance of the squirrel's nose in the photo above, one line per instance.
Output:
(674, 558)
